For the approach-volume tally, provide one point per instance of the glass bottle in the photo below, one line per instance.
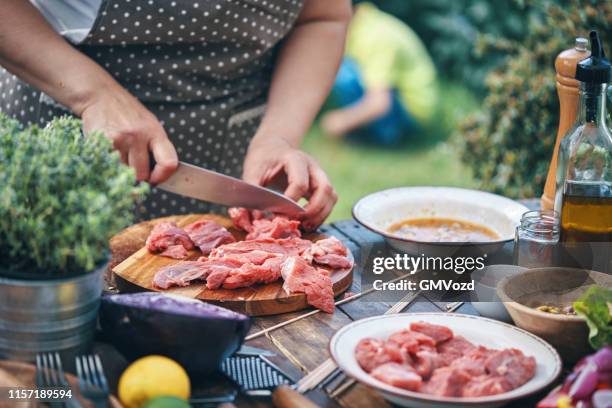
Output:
(584, 173)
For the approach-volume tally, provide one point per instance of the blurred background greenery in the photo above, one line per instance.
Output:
(497, 115)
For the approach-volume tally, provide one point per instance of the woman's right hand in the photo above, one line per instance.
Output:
(134, 131)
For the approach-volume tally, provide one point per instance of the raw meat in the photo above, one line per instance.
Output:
(486, 385)
(330, 252)
(370, 353)
(412, 341)
(301, 277)
(513, 365)
(428, 358)
(473, 362)
(175, 252)
(446, 382)
(241, 218)
(207, 234)
(181, 274)
(436, 332)
(258, 225)
(277, 227)
(250, 274)
(398, 375)
(454, 348)
(273, 250)
(289, 246)
(426, 361)
(166, 234)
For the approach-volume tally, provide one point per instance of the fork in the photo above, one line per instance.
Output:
(92, 381)
(50, 374)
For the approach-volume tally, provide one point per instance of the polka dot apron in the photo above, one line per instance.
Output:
(202, 67)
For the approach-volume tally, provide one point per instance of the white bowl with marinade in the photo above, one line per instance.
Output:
(440, 221)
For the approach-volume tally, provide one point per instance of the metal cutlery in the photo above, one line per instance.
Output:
(50, 374)
(92, 381)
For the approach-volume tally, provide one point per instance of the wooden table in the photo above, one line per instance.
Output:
(303, 345)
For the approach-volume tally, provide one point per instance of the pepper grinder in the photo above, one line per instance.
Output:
(568, 89)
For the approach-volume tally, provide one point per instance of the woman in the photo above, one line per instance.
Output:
(232, 86)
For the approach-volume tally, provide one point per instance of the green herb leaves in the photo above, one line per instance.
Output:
(62, 196)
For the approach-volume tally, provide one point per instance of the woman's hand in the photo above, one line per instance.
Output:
(134, 132)
(274, 162)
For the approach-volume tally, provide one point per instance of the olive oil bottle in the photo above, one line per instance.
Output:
(584, 174)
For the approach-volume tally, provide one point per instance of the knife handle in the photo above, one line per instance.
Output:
(286, 397)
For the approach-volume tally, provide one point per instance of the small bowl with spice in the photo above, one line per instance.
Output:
(539, 300)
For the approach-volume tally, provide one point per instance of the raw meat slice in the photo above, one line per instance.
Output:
(175, 252)
(436, 332)
(454, 348)
(426, 361)
(250, 274)
(277, 227)
(289, 246)
(181, 274)
(165, 234)
(259, 225)
(473, 362)
(411, 341)
(241, 218)
(398, 375)
(371, 353)
(219, 270)
(397, 353)
(511, 364)
(208, 234)
(482, 386)
(301, 277)
(330, 252)
(446, 382)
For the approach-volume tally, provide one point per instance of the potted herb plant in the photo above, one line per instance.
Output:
(62, 196)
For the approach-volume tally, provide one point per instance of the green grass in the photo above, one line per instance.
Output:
(356, 170)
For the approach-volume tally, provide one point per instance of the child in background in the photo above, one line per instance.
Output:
(385, 89)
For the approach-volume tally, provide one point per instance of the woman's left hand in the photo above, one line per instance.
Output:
(274, 162)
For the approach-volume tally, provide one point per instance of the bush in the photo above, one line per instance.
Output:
(509, 142)
(62, 196)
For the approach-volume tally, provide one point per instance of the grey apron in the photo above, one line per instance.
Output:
(202, 67)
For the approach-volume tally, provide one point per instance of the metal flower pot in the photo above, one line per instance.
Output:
(48, 315)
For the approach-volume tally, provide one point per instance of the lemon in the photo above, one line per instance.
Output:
(167, 402)
(151, 377)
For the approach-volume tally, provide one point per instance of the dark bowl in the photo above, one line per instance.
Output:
(197, 335)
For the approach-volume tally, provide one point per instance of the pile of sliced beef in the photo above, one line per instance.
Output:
(430, 359)
(273, 250)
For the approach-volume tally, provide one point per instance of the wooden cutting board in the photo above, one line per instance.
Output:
(136, 272)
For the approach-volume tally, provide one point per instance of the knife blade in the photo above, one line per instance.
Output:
(207, 185)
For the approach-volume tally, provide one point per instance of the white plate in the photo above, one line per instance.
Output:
(478, 330)
(379, 211)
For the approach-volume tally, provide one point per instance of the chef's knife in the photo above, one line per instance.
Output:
(207, 185)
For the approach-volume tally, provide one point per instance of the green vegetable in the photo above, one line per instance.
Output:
(62, 196)
(595, 305)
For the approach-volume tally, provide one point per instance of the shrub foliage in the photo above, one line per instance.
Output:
(509, 142)
(62, 196)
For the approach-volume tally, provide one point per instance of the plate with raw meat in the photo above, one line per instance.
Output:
(251, 262)
(445, 360)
